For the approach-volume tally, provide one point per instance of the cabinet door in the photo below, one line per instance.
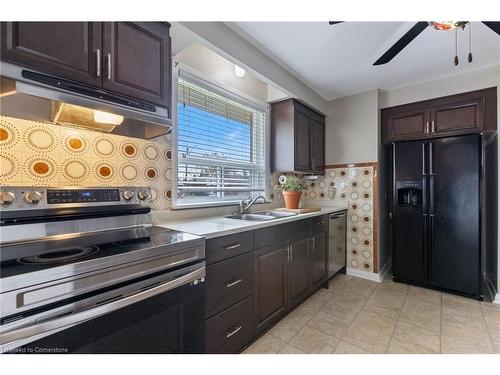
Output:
(297, 272)
(412, 123)
(65, 49)
(270, 269)
(318, 143)
(319, 258)
(462, 116)
(137, 59)
(302, 140)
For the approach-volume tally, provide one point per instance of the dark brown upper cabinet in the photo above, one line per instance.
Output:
(65, 49)
(127, 58)
(298, 138)
(137, 60)
(470, 112)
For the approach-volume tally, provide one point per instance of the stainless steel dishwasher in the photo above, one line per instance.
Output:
(336, 243)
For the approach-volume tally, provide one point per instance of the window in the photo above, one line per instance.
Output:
(221, 145)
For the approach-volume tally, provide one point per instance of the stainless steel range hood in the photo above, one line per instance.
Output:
(30, 95)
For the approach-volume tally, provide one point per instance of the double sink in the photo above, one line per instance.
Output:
(261, 216)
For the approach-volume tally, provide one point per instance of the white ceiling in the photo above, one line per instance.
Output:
(337, 61)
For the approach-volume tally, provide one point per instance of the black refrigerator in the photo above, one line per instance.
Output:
(441, 223)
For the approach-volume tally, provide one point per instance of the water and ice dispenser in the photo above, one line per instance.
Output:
(409, 193)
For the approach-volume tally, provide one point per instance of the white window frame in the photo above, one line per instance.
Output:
(195, 76)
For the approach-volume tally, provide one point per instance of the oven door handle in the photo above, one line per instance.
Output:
(18, 337)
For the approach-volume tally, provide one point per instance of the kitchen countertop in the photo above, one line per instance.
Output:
(217, 226)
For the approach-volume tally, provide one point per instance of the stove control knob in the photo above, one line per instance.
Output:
(143, 195)
(32, 197)
(128, 195)
(6, 198)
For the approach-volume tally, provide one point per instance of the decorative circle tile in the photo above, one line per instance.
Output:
(354, 184)
(75, 143)
(354, 252)
(104, 171)
(40, 138)
(354, 263)
(354, 173)
(130, 172)
(342, 173)
(9, 165)
(151, 173)
(366, 230)
(167, 194)
(332, 174)
(9, 134)
(354, 218)
(129, 149)
(354, 240)
(366, 242)
(366, 195)
(354, 229)
(354, 195)
(366, 207)
(366, 184)
(366, 265)
(151, 152)
(104, 146)
(168, 154)
(367, 254)
(312, 195)
(366, 172)
(366, 219)
(167, 174)
(322, 185)
(154, 194)
(74, 169)
(354, 206)
(40, 167)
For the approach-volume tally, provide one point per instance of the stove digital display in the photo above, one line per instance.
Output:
(82, 196)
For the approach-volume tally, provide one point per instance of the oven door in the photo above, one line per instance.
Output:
(161, 313)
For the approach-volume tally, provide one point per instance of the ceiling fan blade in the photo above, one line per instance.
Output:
(402, 43)
(495, 26)
(334, 22)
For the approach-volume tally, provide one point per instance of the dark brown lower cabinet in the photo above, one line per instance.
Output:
(298, 270)
(319, 258)
(231, 330)
(255, 278)
(270, 276)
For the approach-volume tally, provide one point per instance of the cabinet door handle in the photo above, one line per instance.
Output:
(233, 283)
(109, 65)
(313, 244)
(291, 253)
(234, 331)
(98, 62)
(232, 247)
(288, 254)
(426, 130)
(432, 127)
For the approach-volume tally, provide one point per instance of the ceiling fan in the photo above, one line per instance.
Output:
(418, 28)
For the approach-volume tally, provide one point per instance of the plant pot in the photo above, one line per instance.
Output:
(292, 199)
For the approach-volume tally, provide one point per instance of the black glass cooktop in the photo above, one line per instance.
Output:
(19, 259)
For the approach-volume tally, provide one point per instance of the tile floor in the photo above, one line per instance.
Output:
(361, 316)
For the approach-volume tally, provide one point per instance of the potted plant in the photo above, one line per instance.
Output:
(292, 188)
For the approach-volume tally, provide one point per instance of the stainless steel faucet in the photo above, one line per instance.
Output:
(245, 204)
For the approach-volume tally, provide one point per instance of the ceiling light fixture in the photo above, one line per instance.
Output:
(239, 71)
(448, 25)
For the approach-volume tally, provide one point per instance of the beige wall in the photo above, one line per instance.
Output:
(352, 129)
(221, 70)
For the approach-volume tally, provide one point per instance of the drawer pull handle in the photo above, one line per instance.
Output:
(231, 247)
(234, 331)
(233, 283)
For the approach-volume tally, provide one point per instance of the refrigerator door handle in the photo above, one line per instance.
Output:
(431, 245)
(431, 159)
(424, 173)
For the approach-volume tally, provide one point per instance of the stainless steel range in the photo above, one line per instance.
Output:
(84, 270)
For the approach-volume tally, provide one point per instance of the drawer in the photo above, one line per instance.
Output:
(281, 233)
(224, 247)
(228, 282)
(232, 329)
(320, 223)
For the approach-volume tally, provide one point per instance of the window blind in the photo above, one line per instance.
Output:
(220, 146)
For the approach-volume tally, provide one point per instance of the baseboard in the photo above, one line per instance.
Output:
(497, 299)
(378, 277)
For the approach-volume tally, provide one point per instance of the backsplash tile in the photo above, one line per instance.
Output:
(353, 185)
(34, 153)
